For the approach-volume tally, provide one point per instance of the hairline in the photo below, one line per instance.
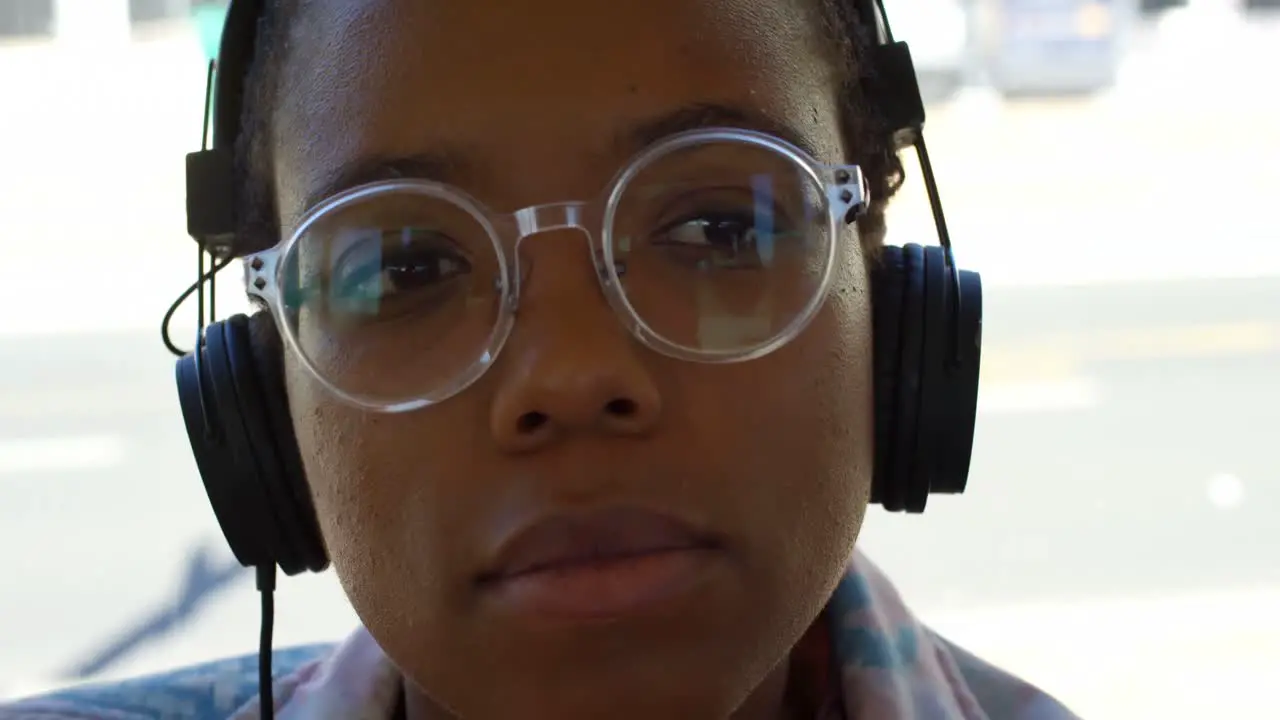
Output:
(260, 221)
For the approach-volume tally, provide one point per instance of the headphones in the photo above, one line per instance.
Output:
(927, 334)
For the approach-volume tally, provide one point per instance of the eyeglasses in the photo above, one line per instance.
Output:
(713, 246)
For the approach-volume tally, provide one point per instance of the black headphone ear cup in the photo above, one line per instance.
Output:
(265, 401)
(956, 408)
(935, 332)
(910, 347)
(211, 411)
(887, 286)
(267, 349)
(927, 356)
(261, 443)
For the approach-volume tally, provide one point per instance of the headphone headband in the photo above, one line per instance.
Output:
(235, 57)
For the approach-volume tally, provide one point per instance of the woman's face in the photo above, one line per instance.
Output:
(761, 469)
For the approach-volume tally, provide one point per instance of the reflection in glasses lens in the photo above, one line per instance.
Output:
(720, 247)
(395, 295)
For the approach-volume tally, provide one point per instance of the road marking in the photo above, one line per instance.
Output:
(100, 401)
(1030, 398)
(1061, 357)
(60, 454)
(1038, 363)
(1050, 374)
(1188, 341)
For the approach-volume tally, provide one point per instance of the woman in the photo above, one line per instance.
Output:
(603, 520)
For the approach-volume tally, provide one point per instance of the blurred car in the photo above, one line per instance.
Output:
(1053, 47)
(26, 18)
(938, 33)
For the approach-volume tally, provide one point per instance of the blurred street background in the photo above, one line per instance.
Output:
(1114, 181)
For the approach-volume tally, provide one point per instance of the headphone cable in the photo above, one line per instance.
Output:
(204, 276)
(266, 579)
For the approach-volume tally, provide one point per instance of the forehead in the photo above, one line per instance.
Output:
(531, 99)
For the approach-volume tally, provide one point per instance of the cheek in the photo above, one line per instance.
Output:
(339, 468)
(795, 432)
(397, 503)
(366, 501)
(809, 404)
(332, 445)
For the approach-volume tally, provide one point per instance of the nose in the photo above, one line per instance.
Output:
(570, 366)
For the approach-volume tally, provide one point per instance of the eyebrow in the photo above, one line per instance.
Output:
(436, 167)
(443, 166)
(709, 115)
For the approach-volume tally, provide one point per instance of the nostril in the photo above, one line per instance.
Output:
(621, 407)
(531, 421)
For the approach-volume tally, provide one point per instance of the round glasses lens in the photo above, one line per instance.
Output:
(393, 295)
(722, 247)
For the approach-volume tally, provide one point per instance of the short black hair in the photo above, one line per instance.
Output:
(862, 126)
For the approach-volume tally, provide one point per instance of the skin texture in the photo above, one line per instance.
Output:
(773, 455)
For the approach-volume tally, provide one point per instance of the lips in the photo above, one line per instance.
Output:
(569, 540)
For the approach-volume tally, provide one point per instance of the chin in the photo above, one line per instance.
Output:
(642, 670)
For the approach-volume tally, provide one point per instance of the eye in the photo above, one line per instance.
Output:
(719, 240)
(393, 265)
(727, 232)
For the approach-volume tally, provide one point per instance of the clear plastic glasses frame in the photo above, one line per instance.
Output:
(844, 194)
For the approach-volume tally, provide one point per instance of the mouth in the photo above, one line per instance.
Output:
(598, 566)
